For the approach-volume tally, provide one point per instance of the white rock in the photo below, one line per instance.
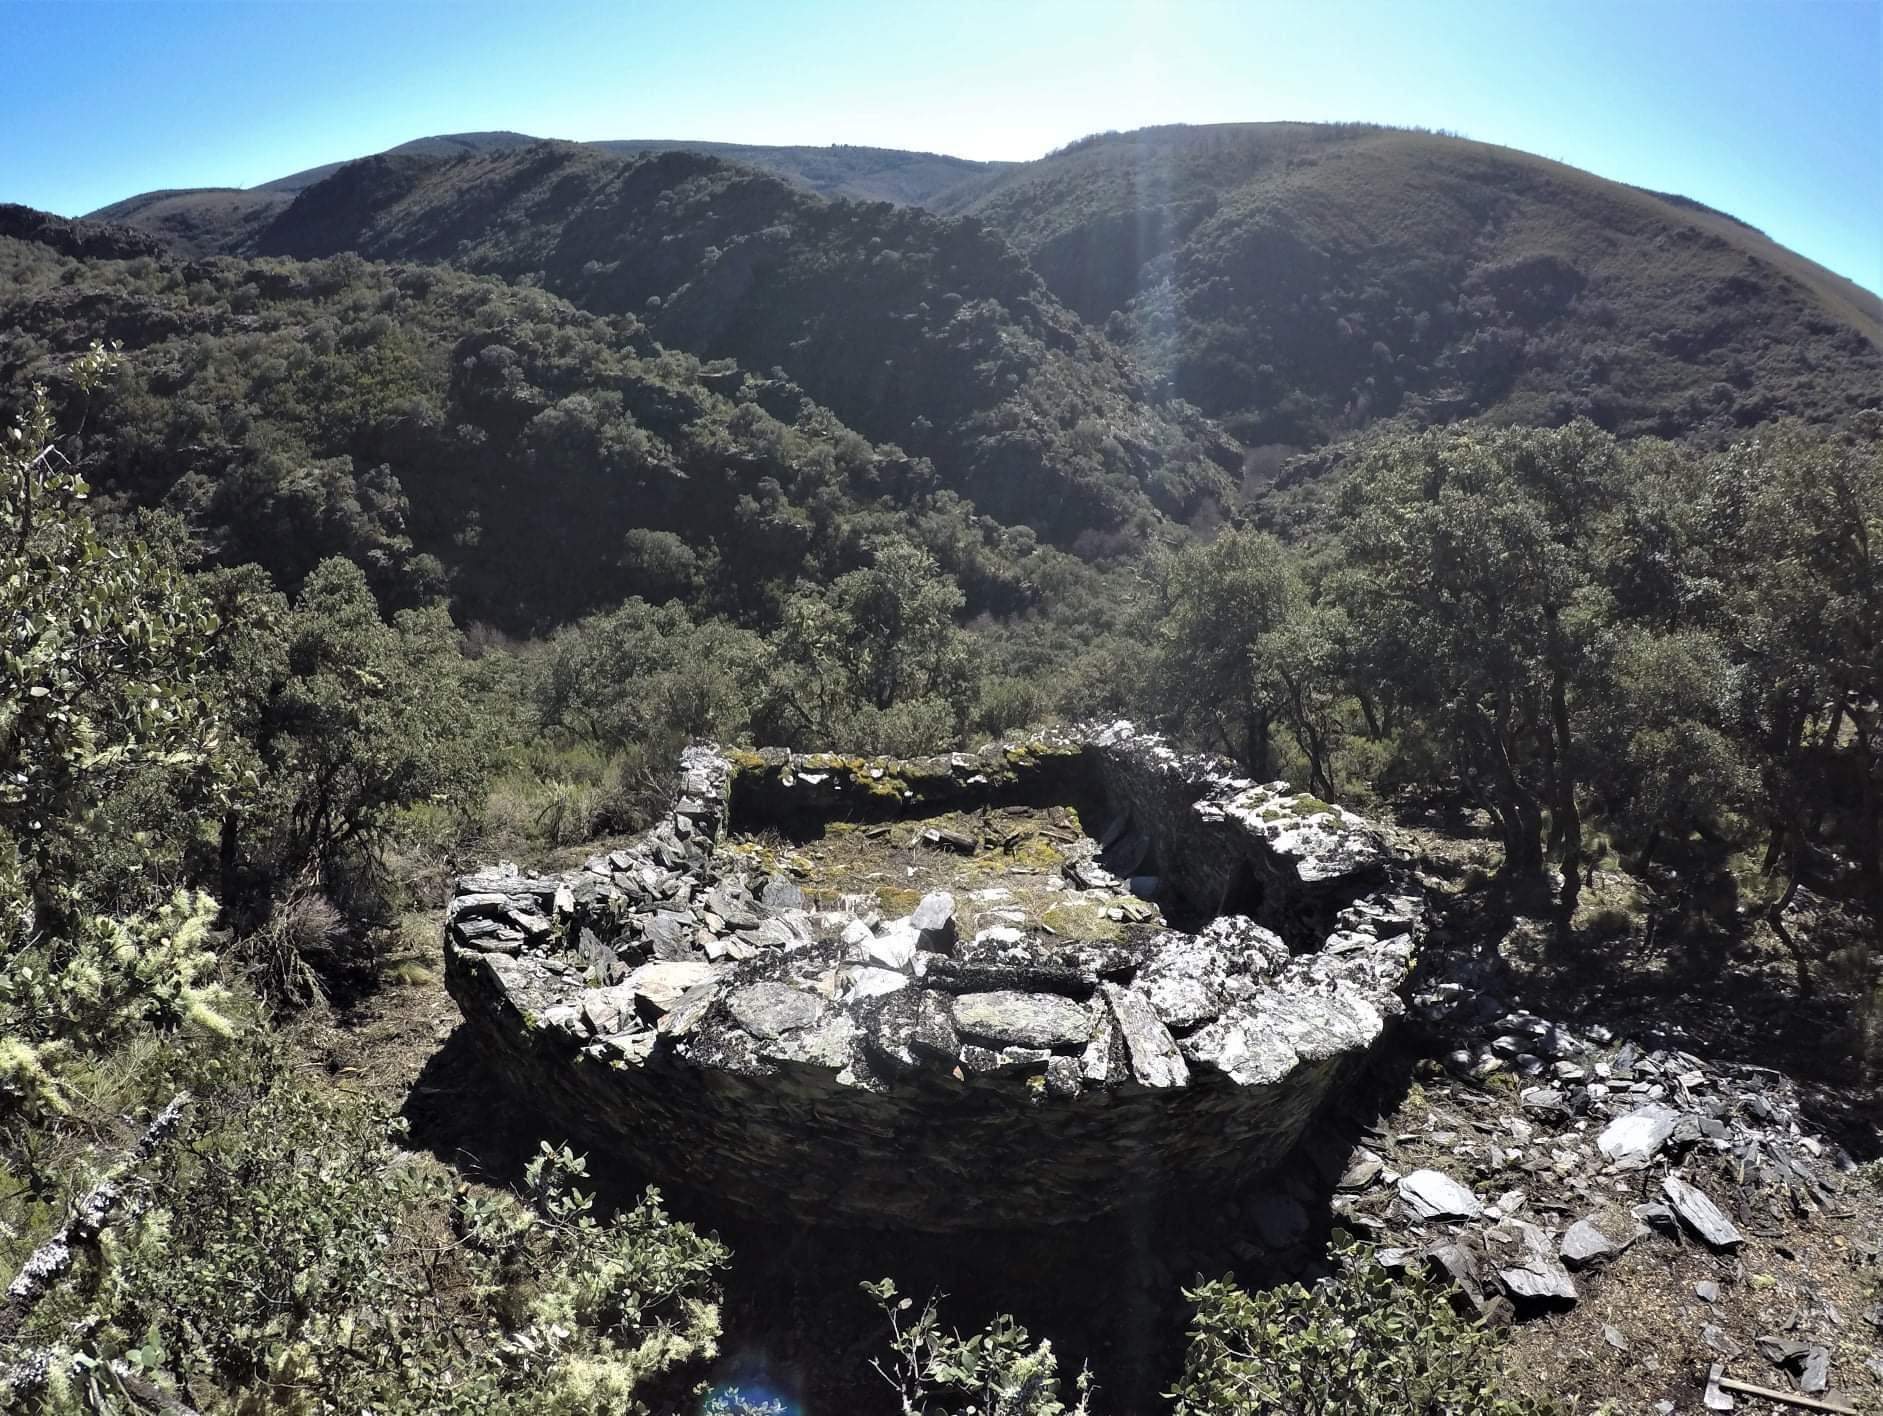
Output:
(1432, 1195)
(1635, 1139)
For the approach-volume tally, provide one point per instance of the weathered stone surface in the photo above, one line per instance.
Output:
(661, 985)
(1155, 1060)
(1024, 1019)
(893, 946)
(828, 1066)
(768, 1010)
(1700, 1213)
(1433, 1195)
(934, 922)
(1527, 1265)
(1585, 1245)
(1635, 1139)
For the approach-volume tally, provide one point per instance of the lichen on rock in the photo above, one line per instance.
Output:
(804, 1055)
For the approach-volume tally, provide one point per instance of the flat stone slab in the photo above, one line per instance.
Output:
(1635, 1139)
(1700, 1214)
(1430, 1194)
(1024, 1019)
(678, 1004)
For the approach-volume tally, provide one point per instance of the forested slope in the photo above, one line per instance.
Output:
(453, 434)
(1298, 280)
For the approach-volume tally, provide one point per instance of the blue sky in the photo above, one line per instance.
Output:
(1771, 111)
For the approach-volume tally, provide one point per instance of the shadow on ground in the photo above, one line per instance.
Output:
(1107, 1291)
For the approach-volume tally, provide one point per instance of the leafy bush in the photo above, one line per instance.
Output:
(1364, 1343)
(999, 1371)
(298, 1261)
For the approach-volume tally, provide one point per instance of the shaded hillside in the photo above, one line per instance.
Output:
(448, 432)
(1297, 280)
(201, 221)
(198, 221)
(869, 174)
(931, 334)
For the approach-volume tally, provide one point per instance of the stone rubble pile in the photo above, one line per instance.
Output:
(1563, 1151)
(712, 1027)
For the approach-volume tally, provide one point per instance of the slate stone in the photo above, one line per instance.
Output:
(1433, 1195)
(658, 986)
(671, 936)
(864, 981)
(1527, 1263)
(1634, 1140)
(931, 1123)
(1155, 1060)
(1103, 1063)
(1716, 1340)
(767, 1010)
(734, 906)
(934, 922)
(935, 1037)
(689, 1011)
(607, 1010)
(779, 893)
(1362, 1172)
(1062, 1076)
(1024, 1019)
(893, 946)
(1584, 1245)
(1701, 1214)
(828, 1045)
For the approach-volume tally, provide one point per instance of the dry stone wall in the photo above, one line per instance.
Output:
(668, 1005)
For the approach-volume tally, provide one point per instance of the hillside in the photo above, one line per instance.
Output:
(927, 333)
(443, 430)
(204, 220)
(1297, 280)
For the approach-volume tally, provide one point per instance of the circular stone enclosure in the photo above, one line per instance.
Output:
(1161, 1004)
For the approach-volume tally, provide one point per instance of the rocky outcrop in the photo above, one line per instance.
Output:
(674, 1004)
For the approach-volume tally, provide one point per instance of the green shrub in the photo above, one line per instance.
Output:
(1364, 1343)
(297, 1260)
(998, 1371)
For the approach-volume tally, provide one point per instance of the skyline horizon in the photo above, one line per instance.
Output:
(683, 143)
(1767, 110)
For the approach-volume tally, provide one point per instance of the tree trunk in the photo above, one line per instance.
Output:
(1255, 751)
(1566, 820)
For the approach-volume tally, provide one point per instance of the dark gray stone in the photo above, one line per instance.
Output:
(1527, 1265)
(781, 894)
(801, 1076)
(1700, 1213)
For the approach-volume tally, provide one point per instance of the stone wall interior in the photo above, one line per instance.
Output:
(676, 1006)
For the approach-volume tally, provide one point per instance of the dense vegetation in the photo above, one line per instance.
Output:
(201, 221)
(319, 576)
(1299, 280)
(928, 333)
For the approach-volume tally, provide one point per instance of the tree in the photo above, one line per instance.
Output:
(104, 641)
(1483, 542)
(1210, 606)
(100, 645)
(360, 719)
(875, 661)
(1801, 517)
